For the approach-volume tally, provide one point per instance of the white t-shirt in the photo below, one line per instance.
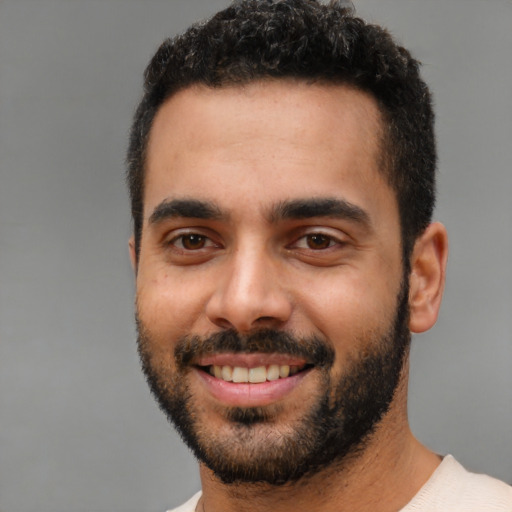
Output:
(450, 489)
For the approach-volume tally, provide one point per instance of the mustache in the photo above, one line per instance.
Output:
(314, 349)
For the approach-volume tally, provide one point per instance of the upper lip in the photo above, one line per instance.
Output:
(253, 360)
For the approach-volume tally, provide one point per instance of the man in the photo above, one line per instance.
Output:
(282, 175)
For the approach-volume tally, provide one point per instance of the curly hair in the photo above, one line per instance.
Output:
(315, 42)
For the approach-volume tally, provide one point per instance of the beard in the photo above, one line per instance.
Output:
(256, 447)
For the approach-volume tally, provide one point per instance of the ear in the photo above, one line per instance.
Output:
(426, 282)
(133, 253)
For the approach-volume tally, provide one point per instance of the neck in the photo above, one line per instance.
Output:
(382, 477)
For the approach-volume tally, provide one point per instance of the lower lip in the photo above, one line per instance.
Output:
(250, 395)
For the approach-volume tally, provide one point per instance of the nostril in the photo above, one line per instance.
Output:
(265, 319)
(223, 323)
(243, 307)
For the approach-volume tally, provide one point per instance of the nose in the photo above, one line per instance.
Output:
(249, 294)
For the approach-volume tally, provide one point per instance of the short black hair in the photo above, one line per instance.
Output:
(314, 42)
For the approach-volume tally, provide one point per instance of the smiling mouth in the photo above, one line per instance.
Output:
(255, 375)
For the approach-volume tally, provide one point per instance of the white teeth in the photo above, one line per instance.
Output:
(240, 374)
(284, 371)
(258, 374)
(227, 373)
(253, 375)
(273, 372)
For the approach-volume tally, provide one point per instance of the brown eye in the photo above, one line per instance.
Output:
(318, 241)
(193, 241)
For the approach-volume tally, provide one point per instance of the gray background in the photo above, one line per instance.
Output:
(78, 428)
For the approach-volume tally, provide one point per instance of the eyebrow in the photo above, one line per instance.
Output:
(284, 210)
(186, 208)
(319, 207)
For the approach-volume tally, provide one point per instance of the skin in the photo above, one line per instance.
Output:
(246, 150)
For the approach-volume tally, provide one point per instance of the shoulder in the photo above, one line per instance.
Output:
(453, 488)
(189, 506)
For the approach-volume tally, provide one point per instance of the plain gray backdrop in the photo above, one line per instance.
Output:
(78, 428)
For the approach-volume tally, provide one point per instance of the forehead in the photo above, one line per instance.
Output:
(266, 141)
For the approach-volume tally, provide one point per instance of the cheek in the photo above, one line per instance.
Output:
(170, 306)
(349, 308)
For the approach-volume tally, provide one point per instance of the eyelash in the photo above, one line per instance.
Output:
(305, 242)
(179, 241)
(328, 241)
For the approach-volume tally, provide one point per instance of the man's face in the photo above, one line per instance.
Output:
(270, 252)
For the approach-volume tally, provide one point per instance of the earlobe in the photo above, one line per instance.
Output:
(428, 271)
(133, 253)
